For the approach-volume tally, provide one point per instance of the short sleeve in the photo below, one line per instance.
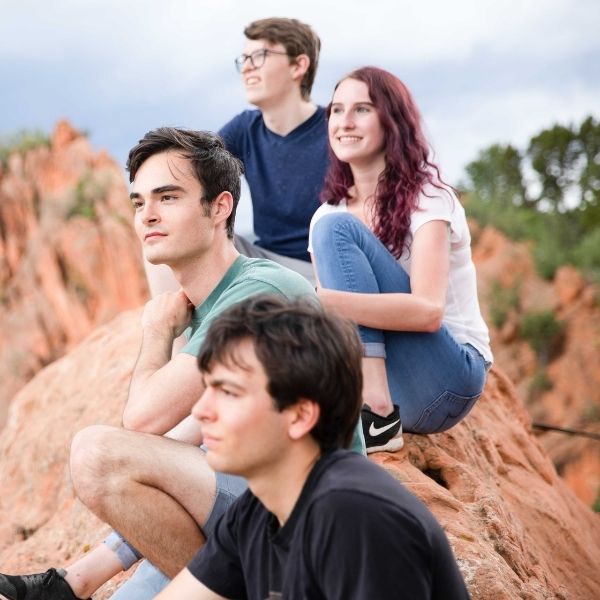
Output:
(217, 564)
(384, 550)
(233, 135)
(435, 205)
(232, 295)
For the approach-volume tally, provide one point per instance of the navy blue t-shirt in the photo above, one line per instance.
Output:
(285, 176)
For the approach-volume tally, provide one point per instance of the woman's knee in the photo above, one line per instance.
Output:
(92, 460)
(331, 225)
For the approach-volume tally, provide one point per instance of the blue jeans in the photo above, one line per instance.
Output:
(146, 583)
(434, 379)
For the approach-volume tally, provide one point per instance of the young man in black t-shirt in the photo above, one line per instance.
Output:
(283, 395)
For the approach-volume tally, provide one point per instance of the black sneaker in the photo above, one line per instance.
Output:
(382, 434)
(50, 585)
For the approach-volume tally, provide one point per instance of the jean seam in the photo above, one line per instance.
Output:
(344, 233)
(437, 403)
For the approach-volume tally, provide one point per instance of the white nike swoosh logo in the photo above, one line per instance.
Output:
(377, 430)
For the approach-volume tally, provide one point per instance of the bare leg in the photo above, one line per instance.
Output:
(155, 491)
(101, 564)
(92, 570)
(376, 392)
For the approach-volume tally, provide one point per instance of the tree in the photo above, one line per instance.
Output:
(554, 156)
(589, 181)
(496, 176)
(563, 219)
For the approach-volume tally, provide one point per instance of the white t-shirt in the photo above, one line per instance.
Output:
(462, 315)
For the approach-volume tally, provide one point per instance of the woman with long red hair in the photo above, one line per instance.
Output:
(391, 249)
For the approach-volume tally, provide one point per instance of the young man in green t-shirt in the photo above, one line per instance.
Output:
(159, 493)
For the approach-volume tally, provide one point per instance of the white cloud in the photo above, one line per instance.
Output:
(513, 118)
(191, 35)
(105, 61)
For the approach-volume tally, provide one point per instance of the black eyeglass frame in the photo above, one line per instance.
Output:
(260, 54)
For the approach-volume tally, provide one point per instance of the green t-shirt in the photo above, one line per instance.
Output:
(245, 278)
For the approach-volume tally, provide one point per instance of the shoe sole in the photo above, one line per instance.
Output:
(392, 445)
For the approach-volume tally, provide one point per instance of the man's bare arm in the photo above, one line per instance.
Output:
(185, 585)
(162, 390)
(188, 431)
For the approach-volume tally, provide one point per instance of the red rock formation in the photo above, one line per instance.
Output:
(69, 259)
(568, 386)
(517, 529)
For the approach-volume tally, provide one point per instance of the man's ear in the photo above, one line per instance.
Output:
(222, 206)
(300, 64)
(304, 415)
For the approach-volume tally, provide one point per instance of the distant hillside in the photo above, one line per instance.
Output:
(69, 259)
(546, 337)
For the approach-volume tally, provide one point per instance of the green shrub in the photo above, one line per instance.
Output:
(87, 192)
(548, 256)
(596, 504)
(540, 382)
(544, 333)
(586, 255)
(591, 414)
(517, 223)
(21, 142)
(501, 301)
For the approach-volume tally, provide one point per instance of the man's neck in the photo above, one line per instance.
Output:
(284, 115)
(280, 484)
(198, 277)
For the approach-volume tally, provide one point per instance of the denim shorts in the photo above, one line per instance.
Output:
(148, 581)
(228, 488)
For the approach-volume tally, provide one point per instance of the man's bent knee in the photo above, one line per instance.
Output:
(92, 462)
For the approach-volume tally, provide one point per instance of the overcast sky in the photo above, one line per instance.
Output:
(482, 71)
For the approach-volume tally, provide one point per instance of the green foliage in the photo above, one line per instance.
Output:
(544, 333)
(540, 382)
(586, 254)
(566, 164)
(87, 192)
(553, 154)
(591, 414)
(501, 301)
(596, 504)
(496, 175)
(589, 139)
(516, 222)
(21, 142)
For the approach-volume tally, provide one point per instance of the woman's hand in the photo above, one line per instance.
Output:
(420, 310)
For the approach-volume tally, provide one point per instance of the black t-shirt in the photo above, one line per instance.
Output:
(354, 534)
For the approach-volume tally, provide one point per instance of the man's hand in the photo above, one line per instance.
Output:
(163, 389)
(168, 314)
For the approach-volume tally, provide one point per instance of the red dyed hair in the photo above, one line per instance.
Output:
(407, 164)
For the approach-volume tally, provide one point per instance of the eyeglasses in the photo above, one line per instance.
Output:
(256, 58)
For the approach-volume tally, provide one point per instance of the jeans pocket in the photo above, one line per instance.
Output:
(444, 412)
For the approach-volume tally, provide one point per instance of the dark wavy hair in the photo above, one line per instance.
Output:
(215, 167)
(305, 351)
(407, 164)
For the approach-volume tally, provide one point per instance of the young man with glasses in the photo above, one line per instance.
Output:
(282, 143)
